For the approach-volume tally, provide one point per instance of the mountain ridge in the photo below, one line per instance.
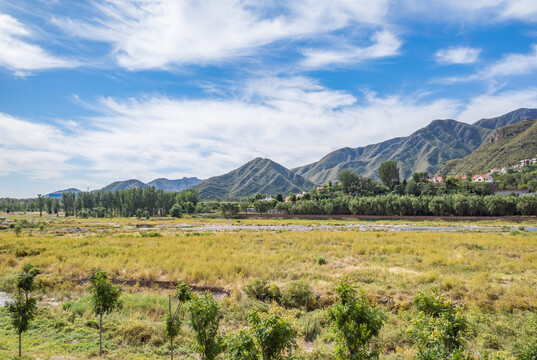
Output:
(259, 175)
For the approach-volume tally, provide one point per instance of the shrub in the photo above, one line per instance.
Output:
(355, 323)
(176, 211)
(257, 289)
(242, 346)
(321, 261)
(298, 295)
(273, 333)
(439, 329)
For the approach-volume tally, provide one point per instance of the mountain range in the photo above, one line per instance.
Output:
(424, 150)
(428, 149)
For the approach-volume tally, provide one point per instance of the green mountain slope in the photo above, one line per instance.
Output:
(424, 150)
(257, 176)
(505, 146)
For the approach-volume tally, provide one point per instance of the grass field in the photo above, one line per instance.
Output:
(492, 273)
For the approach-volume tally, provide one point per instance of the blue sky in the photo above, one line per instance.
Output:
(97, 91)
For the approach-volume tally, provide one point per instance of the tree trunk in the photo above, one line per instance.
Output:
(20, 345)
(171, 347)
(100, 334)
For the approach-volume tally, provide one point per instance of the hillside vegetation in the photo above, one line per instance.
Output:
(257, 176)
(506, 146)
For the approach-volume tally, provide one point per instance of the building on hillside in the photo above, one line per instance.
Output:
(483, 178)
(525, 162)
(321, 188)
(517, 192)
(534, 161)
(495, 170)
(503, 170)
(461, 177)
(437, 180)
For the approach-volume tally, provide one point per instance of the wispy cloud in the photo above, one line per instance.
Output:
(457, 55)
(291, 120)
(21, 56)
(384, 44)
(509, 65)
(168, 33)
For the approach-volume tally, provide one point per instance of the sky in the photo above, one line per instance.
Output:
(98, 91)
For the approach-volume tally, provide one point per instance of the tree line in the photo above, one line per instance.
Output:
(439, 328)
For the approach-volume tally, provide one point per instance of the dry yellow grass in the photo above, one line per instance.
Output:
(485, 269)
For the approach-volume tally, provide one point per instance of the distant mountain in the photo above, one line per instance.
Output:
(257, 176)
(174, 185)
(424, 150)
(159, 184)
(122, 185)
(58, 194)
(507, 119)
(505, 146)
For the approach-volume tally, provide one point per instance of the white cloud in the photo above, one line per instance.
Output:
(291, 120)
(457, 55)
(512, 64)
(384, 44)
(21, 56)
(162, 34)
(477, 11)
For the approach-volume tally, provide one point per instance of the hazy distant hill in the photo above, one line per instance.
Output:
(58, 194)
(505, 146)
(174, 185)
(257, 176)
(159, 184)
(424, 150)
(122, 185)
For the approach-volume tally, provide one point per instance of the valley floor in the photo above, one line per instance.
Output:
(490, 267)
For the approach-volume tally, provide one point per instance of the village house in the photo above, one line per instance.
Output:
(483, 178)
(437, 180)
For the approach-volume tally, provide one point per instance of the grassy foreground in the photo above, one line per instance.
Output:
(494, 274)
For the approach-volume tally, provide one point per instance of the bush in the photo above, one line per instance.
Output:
(321, 261)
(440, 328)
(176, 211)
(298, 295)
(257, 289)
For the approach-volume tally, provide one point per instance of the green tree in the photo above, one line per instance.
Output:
(40, 204)
(273, 333)
(205, 321)
(105, 298)
(22, 310)
(173, 321)
(229, 208)
(355, 323)
(439, 329)
(389, 174)
(176, 211)
(348, 180)
(68, 199)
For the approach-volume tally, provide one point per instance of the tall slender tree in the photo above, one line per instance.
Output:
(105, 298)
(22, 310)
